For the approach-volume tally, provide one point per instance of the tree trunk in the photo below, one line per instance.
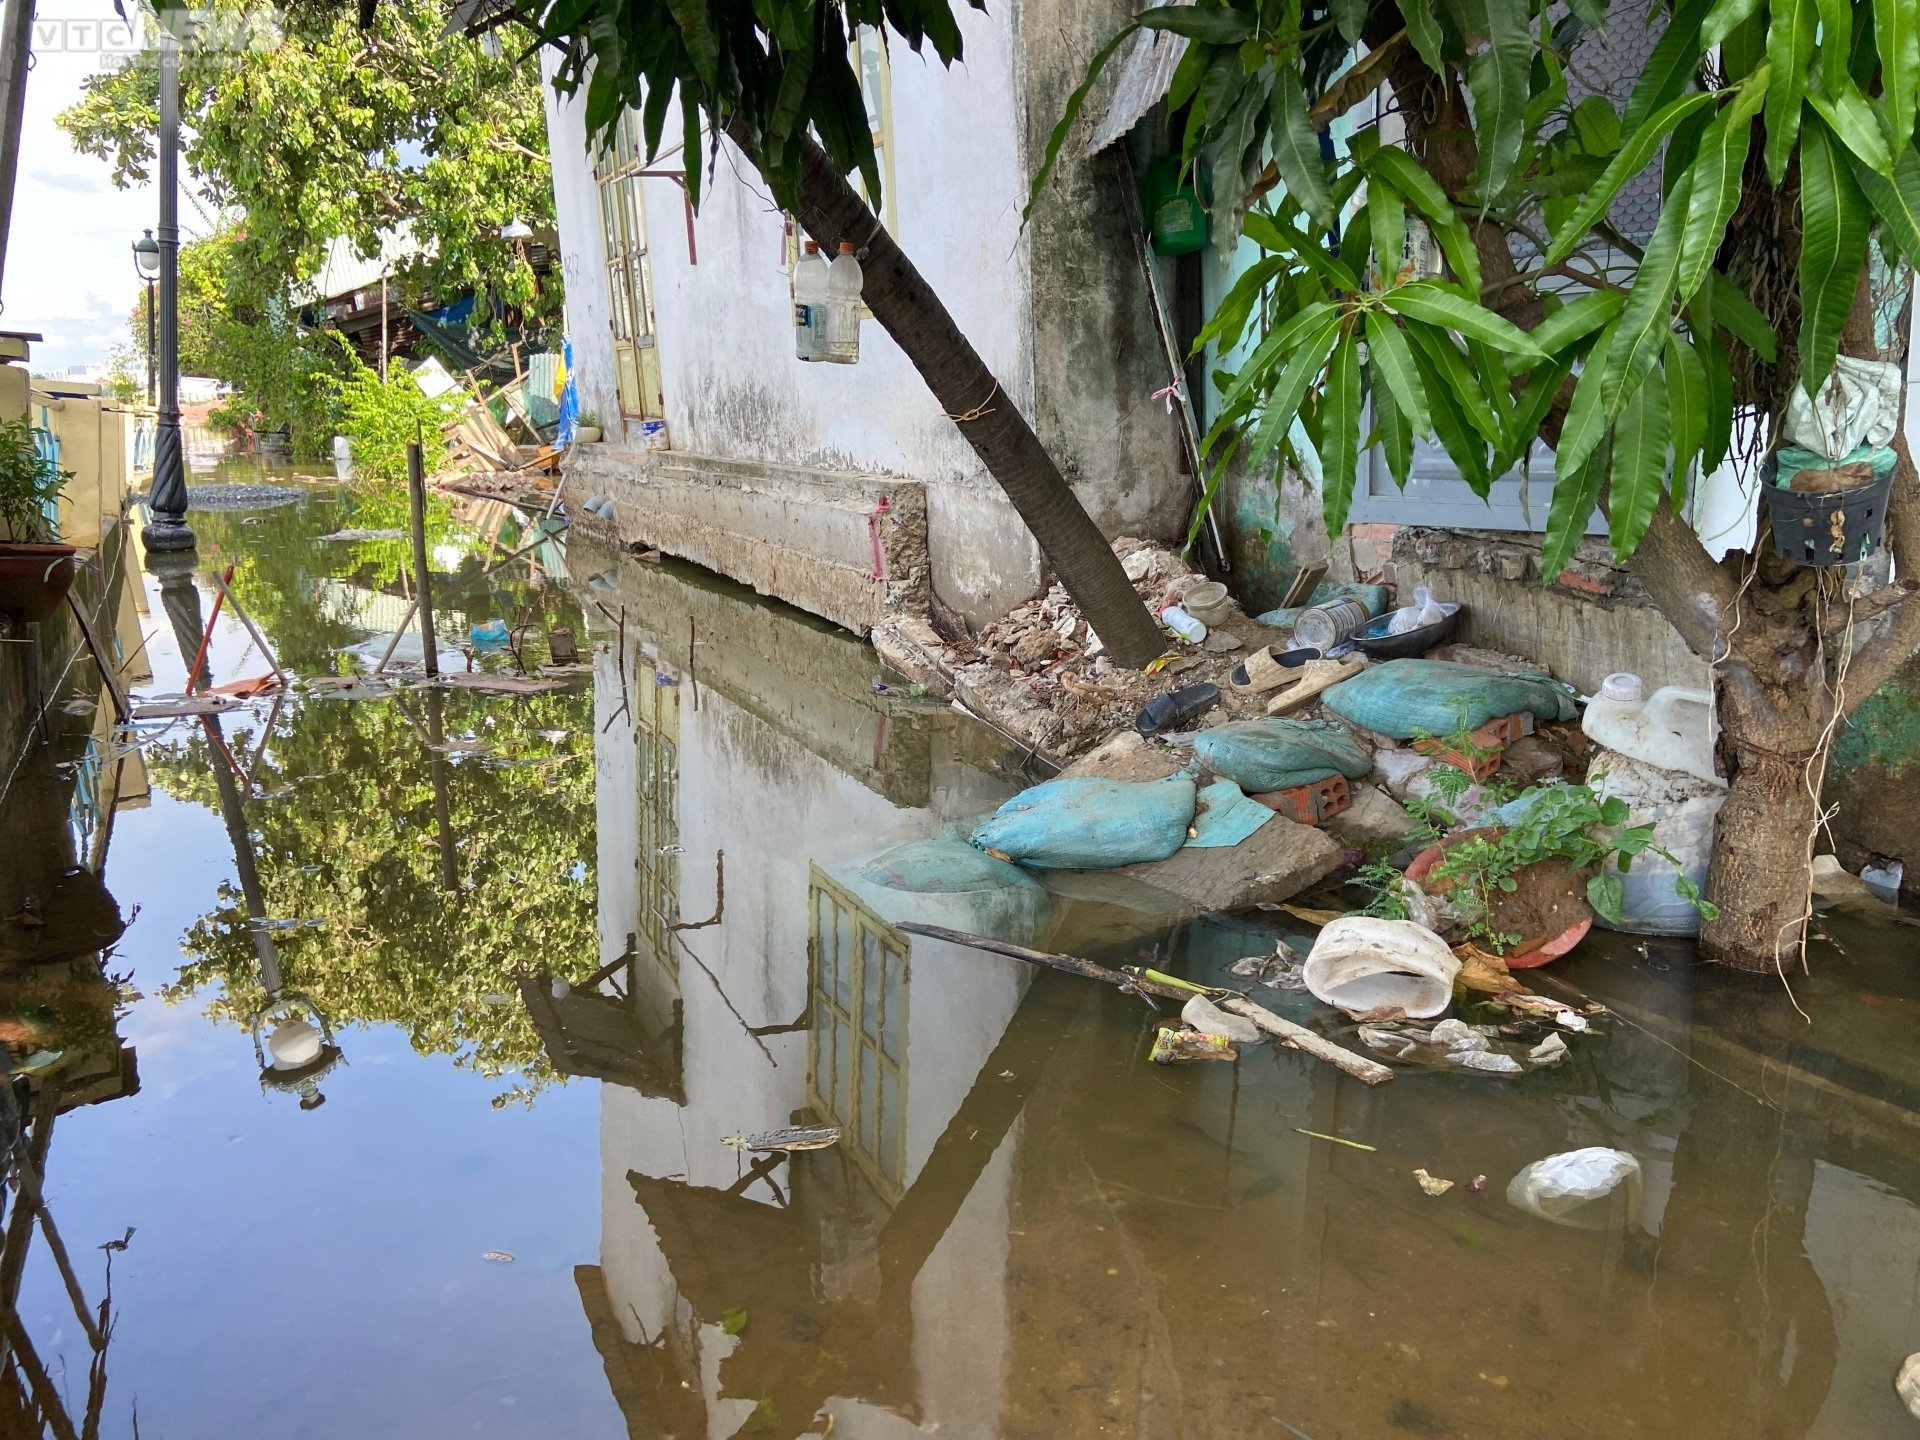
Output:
(830, 211)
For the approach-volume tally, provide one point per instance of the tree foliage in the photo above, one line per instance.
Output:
(344, 825)
(332, 132)
(779, 70)
(1625, 354)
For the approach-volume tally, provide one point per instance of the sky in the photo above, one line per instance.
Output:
(69, 269)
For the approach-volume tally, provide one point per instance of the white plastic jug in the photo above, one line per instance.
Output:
(1673, 728)
(1682, 809)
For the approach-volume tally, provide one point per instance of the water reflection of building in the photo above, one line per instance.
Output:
(759, 991)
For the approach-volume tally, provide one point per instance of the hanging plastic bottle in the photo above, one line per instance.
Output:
(844, 282)
(810, 304)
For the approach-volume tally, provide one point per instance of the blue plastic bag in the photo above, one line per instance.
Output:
(1277, 753)
(1090, 823)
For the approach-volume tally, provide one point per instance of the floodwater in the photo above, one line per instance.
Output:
(498, 1202)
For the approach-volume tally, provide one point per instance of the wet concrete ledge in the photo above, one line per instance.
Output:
(849, 548)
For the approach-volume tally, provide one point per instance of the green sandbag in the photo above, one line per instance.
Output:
(1278, 754)
(1790, 460)
(943, 880)
(1406, 699)
(1087, 822)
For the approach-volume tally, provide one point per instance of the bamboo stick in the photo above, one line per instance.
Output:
(1299, 1037)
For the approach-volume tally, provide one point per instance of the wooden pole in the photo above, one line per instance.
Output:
(1299, 1037)
(422, 593)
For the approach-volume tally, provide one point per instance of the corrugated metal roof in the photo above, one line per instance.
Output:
(345, 270)
(1144, 75)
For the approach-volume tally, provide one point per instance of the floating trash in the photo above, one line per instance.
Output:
(793, 1137)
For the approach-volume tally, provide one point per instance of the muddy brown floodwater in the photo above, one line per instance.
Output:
(494, 1198)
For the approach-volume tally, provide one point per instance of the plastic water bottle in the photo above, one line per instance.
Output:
(1183, 624)
(810, 305)
(844, 284)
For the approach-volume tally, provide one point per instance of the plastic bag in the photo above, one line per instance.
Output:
(1276, 753)
(1858, 405)
(1422, 612)
(1406, 698)
(1089, 823)
(1223, 817)
(1568, 1188)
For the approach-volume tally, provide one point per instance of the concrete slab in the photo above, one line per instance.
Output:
(1275, 863)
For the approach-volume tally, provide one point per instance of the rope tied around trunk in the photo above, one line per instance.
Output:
(985, 407)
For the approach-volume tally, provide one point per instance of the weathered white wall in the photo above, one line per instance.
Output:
(582, 255)
(963, 147)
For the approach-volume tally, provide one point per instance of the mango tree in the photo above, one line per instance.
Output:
(1780, 134)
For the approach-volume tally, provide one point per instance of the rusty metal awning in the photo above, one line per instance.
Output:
(1143, 77)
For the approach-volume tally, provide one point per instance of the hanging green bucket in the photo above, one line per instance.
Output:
(1176, 222)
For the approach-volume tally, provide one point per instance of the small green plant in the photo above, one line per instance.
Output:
(1388, 888)
(29, 482)
(1557, 822)
(588, 417)
(382, 417)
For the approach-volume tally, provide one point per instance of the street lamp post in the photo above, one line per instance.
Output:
(167, 530)
(146, 260)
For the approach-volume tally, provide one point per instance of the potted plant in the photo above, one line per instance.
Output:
(35, 572)
(1528, 890)
(586, 430)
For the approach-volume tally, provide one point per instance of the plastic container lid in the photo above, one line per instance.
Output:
(1624, 686)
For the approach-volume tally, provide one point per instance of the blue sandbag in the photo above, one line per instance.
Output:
(943, 880)
(1224, 817)
(1374, 597)
(1405, 699)
(1090, 823)
(1276, 753)
(1790, 460)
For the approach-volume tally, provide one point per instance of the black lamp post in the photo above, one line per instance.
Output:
(146, 260)
(167, 530)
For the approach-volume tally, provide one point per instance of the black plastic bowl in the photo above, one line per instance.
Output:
(1376, 644)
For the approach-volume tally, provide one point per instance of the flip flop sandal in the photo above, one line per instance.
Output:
(1315, 677)
(1174, 709)
(1267, 668)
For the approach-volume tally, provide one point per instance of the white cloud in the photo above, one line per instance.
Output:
(69, 270)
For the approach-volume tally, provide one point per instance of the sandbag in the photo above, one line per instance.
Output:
(1087, 823)
(945, 881)
(1276, 753)
(1402, 699)
(1223, 817)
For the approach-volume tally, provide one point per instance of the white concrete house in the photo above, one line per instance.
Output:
(845, 489)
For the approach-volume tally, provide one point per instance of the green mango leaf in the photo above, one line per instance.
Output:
(1849, 115)
(1350, 18)
(1283, 402)
(1438, 305)
(733, 1320)
(1791, 31)
(1187, 75)
(1214, 25)
(1423, 31)
(1387, 227)
(1648, 315)
(1230, 180)
(1671, 68)
(1055, 139)
(1896, 36)
(1396, 434)
(1834, 220)
(1464, 389)
(1895, 200)
(1836, 45)
(1464, 443)
(1742, 319)
(1634, 156)
(1499, 66)
(1718, 437)
(1572, 323)
(1421, 191)
(1723, 19)
(1639, 474)
(1283, 341)
(1586, 422)
(1296, 148)
(1391, 360)
(1270, 232)
(1576, 494)
(1530, 410)
(1687, 403)
(1714, 190)
(1340, 434)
